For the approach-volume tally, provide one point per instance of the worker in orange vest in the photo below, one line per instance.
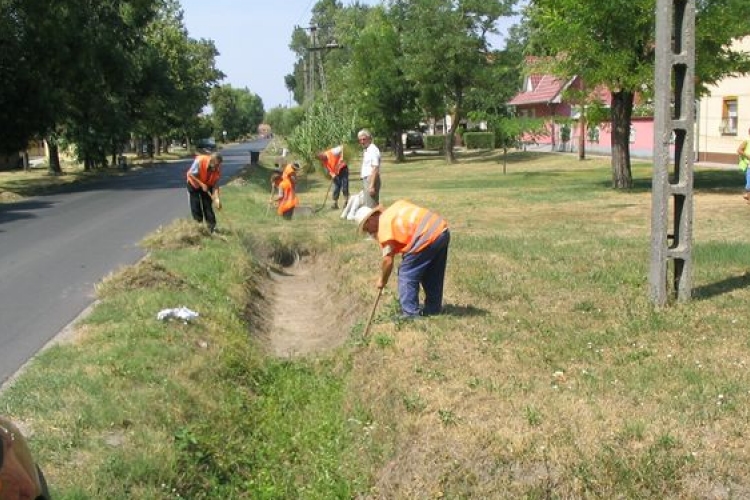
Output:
(422, 238)
(334, 163)
(287, 199)
(203, 187)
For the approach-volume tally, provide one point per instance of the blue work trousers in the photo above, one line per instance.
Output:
(341, 184)
(426, 268)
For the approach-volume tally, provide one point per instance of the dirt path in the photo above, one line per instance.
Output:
(307, 316)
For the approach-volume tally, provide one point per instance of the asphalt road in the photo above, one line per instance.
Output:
(54, 249)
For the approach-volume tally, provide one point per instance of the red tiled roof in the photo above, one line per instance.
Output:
(545, 88)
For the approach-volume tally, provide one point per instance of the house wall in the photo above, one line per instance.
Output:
(599, 139)
(713, 144)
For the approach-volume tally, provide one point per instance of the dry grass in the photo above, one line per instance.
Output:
(551, 375)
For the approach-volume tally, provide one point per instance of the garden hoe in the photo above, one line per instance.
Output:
(372, 314)
(325, 199)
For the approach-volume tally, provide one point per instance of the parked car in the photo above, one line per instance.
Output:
(20, 476)
(208, 144)
(414, 139)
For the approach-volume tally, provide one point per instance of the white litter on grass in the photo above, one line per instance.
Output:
(181, 312)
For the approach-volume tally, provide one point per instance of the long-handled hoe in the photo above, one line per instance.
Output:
(372, 314)
(325, 200)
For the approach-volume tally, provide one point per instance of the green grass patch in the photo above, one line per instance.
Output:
(550, 375)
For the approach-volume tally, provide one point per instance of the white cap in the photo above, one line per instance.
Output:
(364, 213)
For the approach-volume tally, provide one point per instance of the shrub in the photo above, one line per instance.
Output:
(434, 142)
(479, 140)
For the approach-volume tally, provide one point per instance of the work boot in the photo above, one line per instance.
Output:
(335, 205)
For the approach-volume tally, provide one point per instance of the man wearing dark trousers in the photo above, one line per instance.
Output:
(202, 185)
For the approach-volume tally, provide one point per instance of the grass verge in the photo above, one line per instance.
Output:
(550, 375)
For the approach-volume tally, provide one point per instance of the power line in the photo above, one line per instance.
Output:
(306, 9)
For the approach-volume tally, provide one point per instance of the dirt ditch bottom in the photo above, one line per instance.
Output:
(309, 312)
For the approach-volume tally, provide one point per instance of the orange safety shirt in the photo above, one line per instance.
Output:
(289, 198)
(333, 162)
(206, 176)
(408, 228)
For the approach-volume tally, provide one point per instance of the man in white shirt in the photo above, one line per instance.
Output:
(370, 171)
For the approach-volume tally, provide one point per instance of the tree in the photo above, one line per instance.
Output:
(290, 82)
(176, 75)
(237, 112)
(283, 120)
(385, 99)
(298, 44)
(511, 131)
(613, 44)
(24, 112)
(447, 51)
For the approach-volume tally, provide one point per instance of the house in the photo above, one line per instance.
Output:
(542, 97)
(722, 117)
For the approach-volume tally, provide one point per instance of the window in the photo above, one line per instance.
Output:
(593, 134)
(729, 116)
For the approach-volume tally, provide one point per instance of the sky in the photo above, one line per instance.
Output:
(252, 37)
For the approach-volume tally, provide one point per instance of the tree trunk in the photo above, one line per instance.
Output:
(552, 135)
(24, 158)
(582, 136)
(398, 146)
(450, 153)
(54, 160)
(622, 110)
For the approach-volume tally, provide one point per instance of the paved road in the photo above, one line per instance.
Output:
(53, 249)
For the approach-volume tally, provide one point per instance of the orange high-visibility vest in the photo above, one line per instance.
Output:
(409, 228)
(289, 171)
(289, 198)
(206, 176)
(333, 161)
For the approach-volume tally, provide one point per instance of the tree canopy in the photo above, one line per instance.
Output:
(94, 74)
(613, 44)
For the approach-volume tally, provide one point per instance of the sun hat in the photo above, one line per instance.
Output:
(363, 214)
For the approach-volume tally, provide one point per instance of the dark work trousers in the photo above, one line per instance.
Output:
(201, 206)
(426, 268)
(288, 214)
(341, 184)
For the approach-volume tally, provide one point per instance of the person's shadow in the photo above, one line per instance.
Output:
(456, 310)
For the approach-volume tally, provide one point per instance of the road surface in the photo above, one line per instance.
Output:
(54, 249)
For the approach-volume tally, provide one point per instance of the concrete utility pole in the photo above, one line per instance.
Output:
(674, 119)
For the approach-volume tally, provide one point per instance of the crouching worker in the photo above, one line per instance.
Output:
(422, 237)
(287, 198)
(202, 185)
